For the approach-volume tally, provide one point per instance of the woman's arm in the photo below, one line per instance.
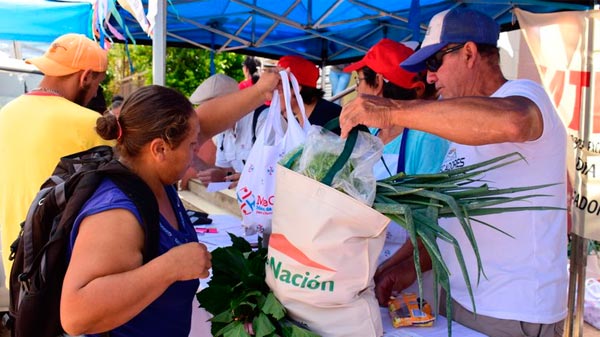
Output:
(106, 283)
(220, 113)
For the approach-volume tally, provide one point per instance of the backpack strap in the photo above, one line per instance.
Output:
(255, 116)
(87, 160)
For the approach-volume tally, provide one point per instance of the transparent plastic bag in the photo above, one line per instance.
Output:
(356, 178)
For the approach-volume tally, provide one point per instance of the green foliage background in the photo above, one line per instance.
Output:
(186, 67)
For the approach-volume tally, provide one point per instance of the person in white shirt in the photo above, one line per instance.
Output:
(232, 145)
(524, 290)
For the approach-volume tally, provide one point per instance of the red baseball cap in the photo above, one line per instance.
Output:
(305, 71)
(385, 58)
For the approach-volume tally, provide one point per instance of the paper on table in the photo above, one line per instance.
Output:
(215, 187)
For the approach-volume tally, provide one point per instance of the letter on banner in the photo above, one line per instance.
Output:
(565, 49)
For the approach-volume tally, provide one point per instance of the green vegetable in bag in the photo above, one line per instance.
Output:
(320, 164)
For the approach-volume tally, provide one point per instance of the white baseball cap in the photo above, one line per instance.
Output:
(214, 86)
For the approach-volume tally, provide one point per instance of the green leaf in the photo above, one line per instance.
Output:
(224, 317)
(273, 307)
(262, 326)
(235, 329)
(212, 298)
(240, 243)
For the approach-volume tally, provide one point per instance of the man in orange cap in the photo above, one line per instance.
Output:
(50, 121)
(318, 110)
(405, 150)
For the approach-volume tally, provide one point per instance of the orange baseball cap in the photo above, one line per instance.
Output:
(305, 71)
(384, 58)
(69, 54)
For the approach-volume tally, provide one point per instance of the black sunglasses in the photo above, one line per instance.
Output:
(435, 61)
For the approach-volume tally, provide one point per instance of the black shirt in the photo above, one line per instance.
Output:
(324, 112)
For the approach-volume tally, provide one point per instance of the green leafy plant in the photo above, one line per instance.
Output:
(239, 298)
(417, 202)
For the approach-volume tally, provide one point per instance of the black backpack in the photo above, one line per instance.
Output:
(40, 253)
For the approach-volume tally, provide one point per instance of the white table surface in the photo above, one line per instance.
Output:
(230, 224)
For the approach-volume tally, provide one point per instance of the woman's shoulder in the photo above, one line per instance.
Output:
(331, 106)
(107, 196)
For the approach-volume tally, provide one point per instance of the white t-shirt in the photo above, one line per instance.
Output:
(233, 145)
(527, 273)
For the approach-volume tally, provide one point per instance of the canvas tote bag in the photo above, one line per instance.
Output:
(256, 187)
(323, 254)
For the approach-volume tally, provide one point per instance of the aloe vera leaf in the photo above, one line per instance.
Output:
(497, 210)
(473, 219)
(392, 207)
(407, 223)
(404, 176)
(441, 279)
(460, 171)
(396, 190)
(458, 252)
(406, 220)
(485, 190)
(429, 241)
(433, 225)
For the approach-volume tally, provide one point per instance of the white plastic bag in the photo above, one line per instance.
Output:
(256, 187)
(591, 303)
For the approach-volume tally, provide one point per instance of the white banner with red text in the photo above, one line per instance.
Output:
(565, 47)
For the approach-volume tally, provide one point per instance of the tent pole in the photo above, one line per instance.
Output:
(578, 259)
(159, 44)
(574, 322)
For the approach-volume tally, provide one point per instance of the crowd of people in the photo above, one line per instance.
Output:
(442, 106)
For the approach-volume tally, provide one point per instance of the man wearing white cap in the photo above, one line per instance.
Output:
(49, 122)
(523, 292)
(232, 145)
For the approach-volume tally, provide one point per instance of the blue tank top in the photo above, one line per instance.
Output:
(170, 314)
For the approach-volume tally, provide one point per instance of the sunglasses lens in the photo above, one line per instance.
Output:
(433, 63)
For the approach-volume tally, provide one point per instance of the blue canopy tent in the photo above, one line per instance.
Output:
(324, 31)
(43, 21)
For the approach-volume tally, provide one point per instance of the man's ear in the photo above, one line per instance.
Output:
(86, 77)
(379, 81)
(420, 89)
(470, 50)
